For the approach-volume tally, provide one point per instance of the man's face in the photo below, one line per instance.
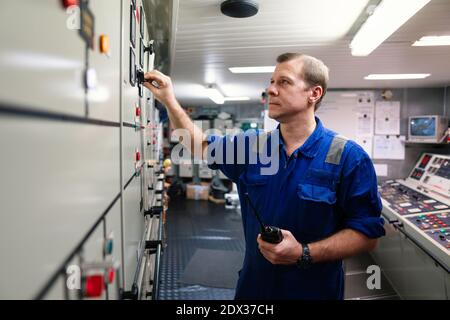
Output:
(288, 93)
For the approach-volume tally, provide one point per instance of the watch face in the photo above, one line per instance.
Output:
(305, 260)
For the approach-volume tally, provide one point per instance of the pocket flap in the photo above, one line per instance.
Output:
(316, 193)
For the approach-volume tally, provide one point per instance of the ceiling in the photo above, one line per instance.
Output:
(206, 43)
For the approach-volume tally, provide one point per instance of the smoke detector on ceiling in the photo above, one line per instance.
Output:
(239, 8)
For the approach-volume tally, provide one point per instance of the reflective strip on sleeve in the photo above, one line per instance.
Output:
(336, 148)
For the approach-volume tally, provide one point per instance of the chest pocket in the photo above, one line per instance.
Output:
(316, 199)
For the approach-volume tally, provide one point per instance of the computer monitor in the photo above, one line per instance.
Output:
(427, 128)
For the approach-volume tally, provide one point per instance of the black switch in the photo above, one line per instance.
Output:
(140, 76)
(154, 211)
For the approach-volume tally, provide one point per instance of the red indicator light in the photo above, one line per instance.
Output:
(94, 286)
(68, 3)
(111, 276)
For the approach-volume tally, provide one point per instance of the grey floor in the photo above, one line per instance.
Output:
(356, 277)
(193, 225)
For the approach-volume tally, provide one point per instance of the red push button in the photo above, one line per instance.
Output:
(138, 111)
(69, 3)
(94, 286)
(138, 156)
(111, 276)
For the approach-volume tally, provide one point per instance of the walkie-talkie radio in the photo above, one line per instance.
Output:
(268, 233)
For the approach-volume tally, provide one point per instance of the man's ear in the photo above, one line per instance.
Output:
(316, 94)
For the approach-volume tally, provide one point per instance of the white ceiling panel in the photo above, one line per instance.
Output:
(207, 43)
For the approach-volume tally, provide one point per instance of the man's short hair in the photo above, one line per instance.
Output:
(314, 71)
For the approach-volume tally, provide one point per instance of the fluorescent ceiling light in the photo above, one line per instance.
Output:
(388, 16)
(214, 94)
(398, 76)
(237, 98)
(264, 69)
(433, 41)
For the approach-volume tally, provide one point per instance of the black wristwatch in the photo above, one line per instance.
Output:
(305, 260)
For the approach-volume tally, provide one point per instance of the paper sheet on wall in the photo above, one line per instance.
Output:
(389, 147)
(365, 122)
(350, 113)
(387, 117)
(381, 170)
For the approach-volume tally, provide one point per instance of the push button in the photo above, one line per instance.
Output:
(167, 163)
(109, 245)
(111, 273)
(90, 79)
(69, 3)
(104, 44)
(138, 156)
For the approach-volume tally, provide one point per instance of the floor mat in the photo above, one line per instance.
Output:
(213, 268)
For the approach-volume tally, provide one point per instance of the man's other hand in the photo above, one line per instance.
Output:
(286, 252)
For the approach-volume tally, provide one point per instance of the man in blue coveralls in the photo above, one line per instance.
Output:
(321, 192)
